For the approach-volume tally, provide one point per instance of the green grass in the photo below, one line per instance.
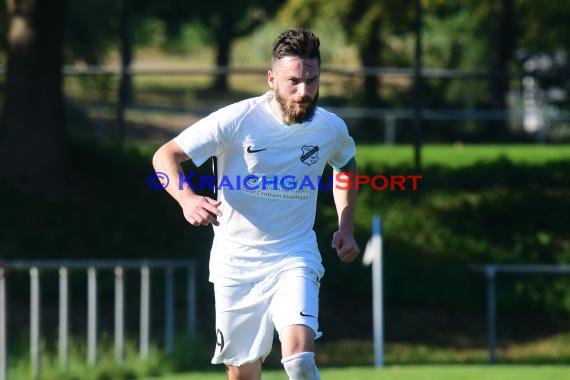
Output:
(459, 155)
(449, 372)
(132, 367)
(450, 156)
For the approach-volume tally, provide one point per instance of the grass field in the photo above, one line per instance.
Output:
(450, 372)
(448, 155)
(457, 155)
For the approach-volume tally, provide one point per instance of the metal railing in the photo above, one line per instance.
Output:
(519, 115)
(92, 267)
(491, 271)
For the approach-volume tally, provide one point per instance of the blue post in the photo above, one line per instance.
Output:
(377, 293)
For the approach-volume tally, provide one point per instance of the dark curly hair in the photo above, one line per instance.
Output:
(299, 42)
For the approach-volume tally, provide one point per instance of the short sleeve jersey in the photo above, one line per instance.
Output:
(268, 180)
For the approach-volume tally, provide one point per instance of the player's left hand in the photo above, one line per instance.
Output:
(345, 245)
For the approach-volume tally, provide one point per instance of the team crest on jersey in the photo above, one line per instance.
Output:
(310, 154)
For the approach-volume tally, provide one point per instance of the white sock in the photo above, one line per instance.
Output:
(301, 366)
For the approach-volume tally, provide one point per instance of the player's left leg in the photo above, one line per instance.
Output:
(296, 339)
(249, 371)
(297, 348)
(295, 315)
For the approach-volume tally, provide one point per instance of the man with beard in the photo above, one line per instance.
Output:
(265, 263)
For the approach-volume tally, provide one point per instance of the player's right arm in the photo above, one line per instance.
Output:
(198, 210)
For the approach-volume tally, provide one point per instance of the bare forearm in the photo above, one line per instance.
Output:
(345, 202)
(197, 210)
(168, 161)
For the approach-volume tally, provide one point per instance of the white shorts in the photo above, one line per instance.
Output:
(247, 315)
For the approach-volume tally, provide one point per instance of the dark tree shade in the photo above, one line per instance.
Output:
(32, 129)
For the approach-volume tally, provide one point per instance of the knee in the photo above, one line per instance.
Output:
(301, 366)
(250, 371)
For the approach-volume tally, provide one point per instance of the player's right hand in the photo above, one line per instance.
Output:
(201, 211)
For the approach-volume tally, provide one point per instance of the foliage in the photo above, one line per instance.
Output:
(356, 16)
(193, 36)
(367, 24)
(91, 30)
(487, 211)
(543, 29)
(450, 42)
(466, 35)
(133, 367)
(114, 208)
(480, 211)
(188, 354)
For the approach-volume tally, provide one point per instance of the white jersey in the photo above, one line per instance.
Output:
(268, 178)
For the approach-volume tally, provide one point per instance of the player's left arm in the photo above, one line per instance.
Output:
(345, 202)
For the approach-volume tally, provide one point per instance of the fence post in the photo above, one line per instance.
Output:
(91, 316)
(35, 322)
(3, 336)
(119, 314)
(378, 291)
(390, 129)
(191, 302)
(34, 267)
(63, 317)
(169, 311)
(490, 271)
(145, 312)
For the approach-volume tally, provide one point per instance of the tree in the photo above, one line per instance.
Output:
(476, 37)
(543, 47)
(515, 32)
(223, 20)
(228, 20)
(501, 48)
(32, 128)
(367, 24)
(3, 32)
(91, 30)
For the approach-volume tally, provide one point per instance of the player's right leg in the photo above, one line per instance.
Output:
(244, 330)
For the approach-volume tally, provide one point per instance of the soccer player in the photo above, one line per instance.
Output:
(266, 268)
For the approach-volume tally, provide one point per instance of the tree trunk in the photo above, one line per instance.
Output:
(370, 57)
(32, 129)
(368, 129)
(224, 42)
(501, 48)
(125, 94)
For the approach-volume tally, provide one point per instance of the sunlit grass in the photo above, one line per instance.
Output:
(106, 367)
(444, 155)
(458, 155)
(414, 372)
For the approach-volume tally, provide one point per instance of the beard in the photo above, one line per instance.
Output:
(297, 110)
